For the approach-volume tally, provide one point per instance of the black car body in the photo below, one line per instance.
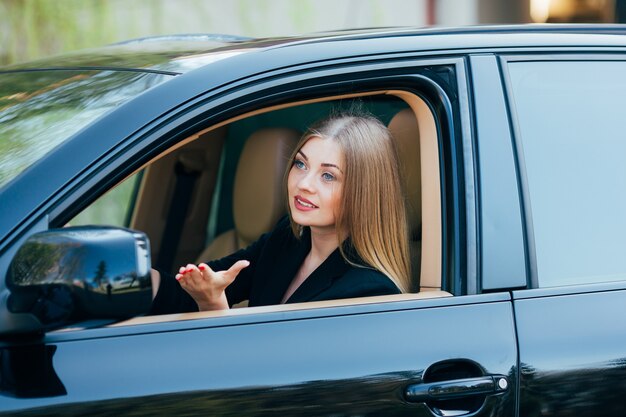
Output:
(519, 244)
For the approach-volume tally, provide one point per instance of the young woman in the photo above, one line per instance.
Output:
(345, 234)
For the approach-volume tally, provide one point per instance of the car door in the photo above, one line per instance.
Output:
(568, 122)
(400, 355)
(358, 360)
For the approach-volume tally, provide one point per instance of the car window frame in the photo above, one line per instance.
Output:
(370, 76)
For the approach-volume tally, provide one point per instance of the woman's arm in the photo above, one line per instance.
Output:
(169, 296)
(155, 278)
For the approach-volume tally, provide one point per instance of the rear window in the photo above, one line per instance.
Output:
(572, 124)
(41, 109)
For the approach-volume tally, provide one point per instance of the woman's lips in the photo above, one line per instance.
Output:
(303, 204)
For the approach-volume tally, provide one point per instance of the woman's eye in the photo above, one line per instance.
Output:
(327, 176)
(299, 164)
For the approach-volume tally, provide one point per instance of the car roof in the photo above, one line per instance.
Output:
(492, 37)
(169, 53)
(242, 58)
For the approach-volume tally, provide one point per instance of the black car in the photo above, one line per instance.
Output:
(161, 151)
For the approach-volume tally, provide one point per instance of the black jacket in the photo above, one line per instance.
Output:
(274, 261)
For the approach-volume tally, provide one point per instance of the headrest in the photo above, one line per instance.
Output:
(405, 132)
(258, 197)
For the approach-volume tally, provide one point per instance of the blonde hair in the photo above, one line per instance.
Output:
(372, 212)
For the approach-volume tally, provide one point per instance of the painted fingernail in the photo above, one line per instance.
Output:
(178, 277)
(202, 267)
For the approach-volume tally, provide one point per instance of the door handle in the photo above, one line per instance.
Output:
(457, 388)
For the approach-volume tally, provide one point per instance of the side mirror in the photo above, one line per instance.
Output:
(76, 273)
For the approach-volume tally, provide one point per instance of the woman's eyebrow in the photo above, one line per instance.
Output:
(324, 164)
(332, 165)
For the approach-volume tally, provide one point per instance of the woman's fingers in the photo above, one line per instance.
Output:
(181, 273)
(186, 271)
(234, 270)
(203, 274)
(206, 286)
(205, 269)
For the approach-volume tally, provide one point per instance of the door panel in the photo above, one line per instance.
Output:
(348, 364)
(572, 353)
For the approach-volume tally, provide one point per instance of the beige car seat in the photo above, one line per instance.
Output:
(404, 129)
(258, 191)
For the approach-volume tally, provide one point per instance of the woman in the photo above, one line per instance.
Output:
(345, 234)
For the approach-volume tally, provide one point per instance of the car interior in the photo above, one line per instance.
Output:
(219, 189)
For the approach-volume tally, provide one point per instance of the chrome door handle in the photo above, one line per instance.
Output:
(457, 388)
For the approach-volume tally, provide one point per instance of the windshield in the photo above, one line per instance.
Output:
(40, 109)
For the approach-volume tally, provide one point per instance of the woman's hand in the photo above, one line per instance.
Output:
(206, 286)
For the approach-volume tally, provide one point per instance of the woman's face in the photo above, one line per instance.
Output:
(315, 183)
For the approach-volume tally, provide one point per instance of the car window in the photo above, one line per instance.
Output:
(113, 208)
(217, 151)
(39, 110)
(571, 127)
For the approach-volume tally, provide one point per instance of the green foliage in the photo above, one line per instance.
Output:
(30, 29)
(36, 28)
(112, 208)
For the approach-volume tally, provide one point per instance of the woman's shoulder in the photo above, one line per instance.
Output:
(283, 223)
(282, 229)
(367, 282)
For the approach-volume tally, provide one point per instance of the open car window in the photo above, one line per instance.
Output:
(210, 173)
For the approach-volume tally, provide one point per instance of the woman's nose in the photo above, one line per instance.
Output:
(306, 183)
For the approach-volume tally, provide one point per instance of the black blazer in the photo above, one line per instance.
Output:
(274, 261)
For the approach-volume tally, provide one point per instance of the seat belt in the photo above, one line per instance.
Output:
(187, 171)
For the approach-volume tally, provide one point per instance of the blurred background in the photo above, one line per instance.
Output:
(30, 29)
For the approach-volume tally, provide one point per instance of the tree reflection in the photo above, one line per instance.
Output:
(41, 109)
(38, 262)
(101, 274)
(592, 391)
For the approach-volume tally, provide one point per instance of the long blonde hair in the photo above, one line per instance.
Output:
(372, 213)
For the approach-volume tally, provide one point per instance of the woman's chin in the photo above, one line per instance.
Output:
(303, 219)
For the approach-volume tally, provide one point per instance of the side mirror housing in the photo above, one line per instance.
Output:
(63, 276)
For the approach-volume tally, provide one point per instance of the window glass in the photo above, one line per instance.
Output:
(572, 125)
(113, 208)
(39, 110)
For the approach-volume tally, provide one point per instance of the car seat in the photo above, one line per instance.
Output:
(258, 191)
(405, 131)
